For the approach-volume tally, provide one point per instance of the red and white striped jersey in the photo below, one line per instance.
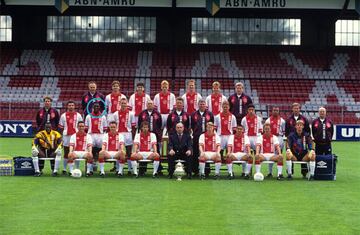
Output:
(80, 142)
(125, 120)
(210, 143)
(214, 103)
(267, 144)
(225, 123)
(95, 125)
(113, 103)
(277, 125)
(138, 103)
(68, 122)
(112, 142)
(252, 125)
(146, 142)
(191, 102)
(164, 103)
(239, 143)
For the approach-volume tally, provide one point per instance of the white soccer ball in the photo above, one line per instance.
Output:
(258, 176)
(76, 173)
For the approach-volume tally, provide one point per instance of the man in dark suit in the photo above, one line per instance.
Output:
(180, 148)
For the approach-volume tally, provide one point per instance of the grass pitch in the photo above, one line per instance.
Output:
(64, 205)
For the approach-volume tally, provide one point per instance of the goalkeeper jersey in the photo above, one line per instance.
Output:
(46, 140)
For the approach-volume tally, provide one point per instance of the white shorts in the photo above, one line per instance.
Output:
(66, 140)
(253, 142)
(80, 154)
(164, 120)
(145, 155)
(209, 155)
(112, 154)
(224, 141)
(239, 155)
(267, 156)
(97, 140)
(281, 142)
(127, 138)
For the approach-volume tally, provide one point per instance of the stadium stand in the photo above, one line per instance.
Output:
(271, 76)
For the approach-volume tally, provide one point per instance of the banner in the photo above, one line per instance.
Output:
(16, 129)
(347, 132)
(270, 4)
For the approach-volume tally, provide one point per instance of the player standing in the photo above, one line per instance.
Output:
(68, 124)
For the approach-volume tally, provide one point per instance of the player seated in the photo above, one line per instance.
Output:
(47, 144)
(268, 149)
(300, 148)
(145, 148)
(81, 148)
(112, 148)
(209, 148)
(238, 148)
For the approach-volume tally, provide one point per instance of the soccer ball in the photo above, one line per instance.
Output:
(76, 173)
(258, 176)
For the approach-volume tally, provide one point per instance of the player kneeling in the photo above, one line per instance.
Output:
(209, 148)
(112, 148)
(267, 145)
(238, 149)
(299, 148)
(81, 147)
(145, 148)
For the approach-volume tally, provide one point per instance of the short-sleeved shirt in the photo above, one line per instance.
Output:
(239, 143)
(80, 142)
(210, 143)
(112, 142)
(267, 143)
(145, 142)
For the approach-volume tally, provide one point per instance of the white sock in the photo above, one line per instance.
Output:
(257, 168)
(279, 168)
(156, 166)
(117, 166)
(102, 166)
(77, 164)
(71, 167)
(248, 168)
(244, 167)
(288, 166)
(121, 167)
(312, 167)
(129, 165)
(134, 167)
(217, 168)
(88, 167)
(229, 166)
(65, 163)
(57, 163)
(271, 168)
(36, 163)
(202, 167)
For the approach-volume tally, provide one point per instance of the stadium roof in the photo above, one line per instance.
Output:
(229, 4)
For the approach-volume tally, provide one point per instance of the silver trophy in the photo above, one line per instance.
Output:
(179, 171)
